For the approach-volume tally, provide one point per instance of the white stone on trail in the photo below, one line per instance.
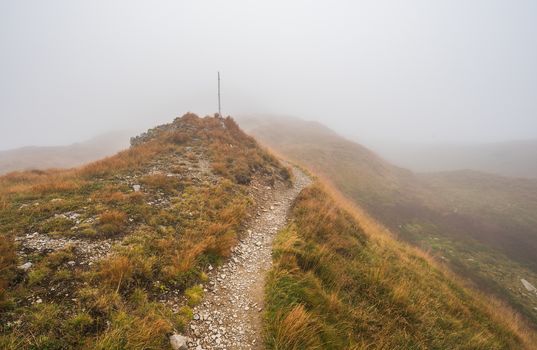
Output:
(25, 266)
(229, 317)
(178, 342)
(528, 285)
(136, 188)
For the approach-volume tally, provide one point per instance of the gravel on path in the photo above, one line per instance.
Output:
(230, 316)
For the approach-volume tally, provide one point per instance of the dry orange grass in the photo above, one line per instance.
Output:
(295, 329)
(129, 331)
(114, 197)
(116, 271)
(184, 260)
(112, 222)
(132, 158)
(40, 182)
(37, 183)
(223, 243)
(109, 194)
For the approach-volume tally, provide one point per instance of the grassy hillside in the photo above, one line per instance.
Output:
(338, 284)
(110, 255)
(28, 158)
(483, 226)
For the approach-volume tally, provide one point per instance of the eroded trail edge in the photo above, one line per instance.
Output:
(230, 316)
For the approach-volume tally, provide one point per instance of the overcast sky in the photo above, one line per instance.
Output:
(402, 70)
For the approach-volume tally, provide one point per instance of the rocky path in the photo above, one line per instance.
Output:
(230, 317)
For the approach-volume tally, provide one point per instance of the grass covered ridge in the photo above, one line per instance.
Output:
(336, 284)
(480, 225)
(193, 197)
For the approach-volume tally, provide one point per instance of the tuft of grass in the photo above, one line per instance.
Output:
(112, 222)
(294, 329)
(56, 225)
(38, 275)
(80, 322)
(162, 182)
(131, 331)
(194, 295)
(116, 271)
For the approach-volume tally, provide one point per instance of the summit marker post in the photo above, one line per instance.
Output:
(219, 105)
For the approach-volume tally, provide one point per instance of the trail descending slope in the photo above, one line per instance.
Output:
(231, 315)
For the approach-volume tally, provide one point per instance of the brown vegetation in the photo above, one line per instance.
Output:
(112, 222)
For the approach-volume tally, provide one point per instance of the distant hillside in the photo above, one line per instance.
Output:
(484, 226)
(514, 158)
(34, 157)
(327, 153)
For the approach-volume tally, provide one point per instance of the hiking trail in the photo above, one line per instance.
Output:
(230, 315)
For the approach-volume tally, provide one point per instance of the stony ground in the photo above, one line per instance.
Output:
(230, 317)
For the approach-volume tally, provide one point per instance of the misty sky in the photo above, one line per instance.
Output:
(403, 70)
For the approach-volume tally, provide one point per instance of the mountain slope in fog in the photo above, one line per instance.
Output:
(34, 157)
(514, 158)
(483, 225)
(119, 254)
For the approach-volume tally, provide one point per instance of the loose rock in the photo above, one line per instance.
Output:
(178, 342)
(25, 266)
(529, 287)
